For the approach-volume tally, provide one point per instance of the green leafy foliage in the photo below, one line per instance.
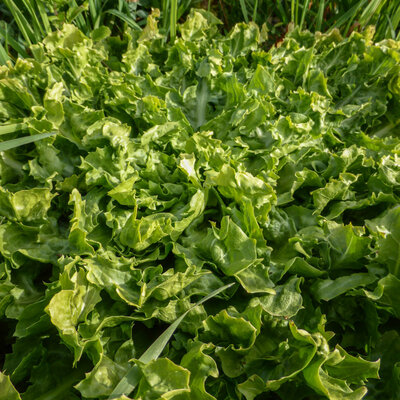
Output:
(205, 168)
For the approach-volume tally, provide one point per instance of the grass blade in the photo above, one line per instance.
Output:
(202, 99)
(21, 22)
(154, 351)
(173, 19)
(10, 128)
(349, 15)
(165, 19)
(13, 43)
(255, 10)
(395, 19)
(292, 11)
(244, 11)
(320, 15)
(370, 10)
(96, 12)
(282, 10)
(184, 6)
(10, 144)
(92, 12)
(44, 16)
(36, 24)
(131, 23)
(390, 27)
(303, 14)
(131, 379)
(4, 57)
(127, 383)
(387, 22)
(75, 13)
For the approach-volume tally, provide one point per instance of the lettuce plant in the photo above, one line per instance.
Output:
(177, 169)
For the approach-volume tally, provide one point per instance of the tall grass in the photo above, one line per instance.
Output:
(25, 22)
(315, 15)
(173, 19)
(29, 21)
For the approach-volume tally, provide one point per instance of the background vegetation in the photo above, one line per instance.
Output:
(25, 22)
